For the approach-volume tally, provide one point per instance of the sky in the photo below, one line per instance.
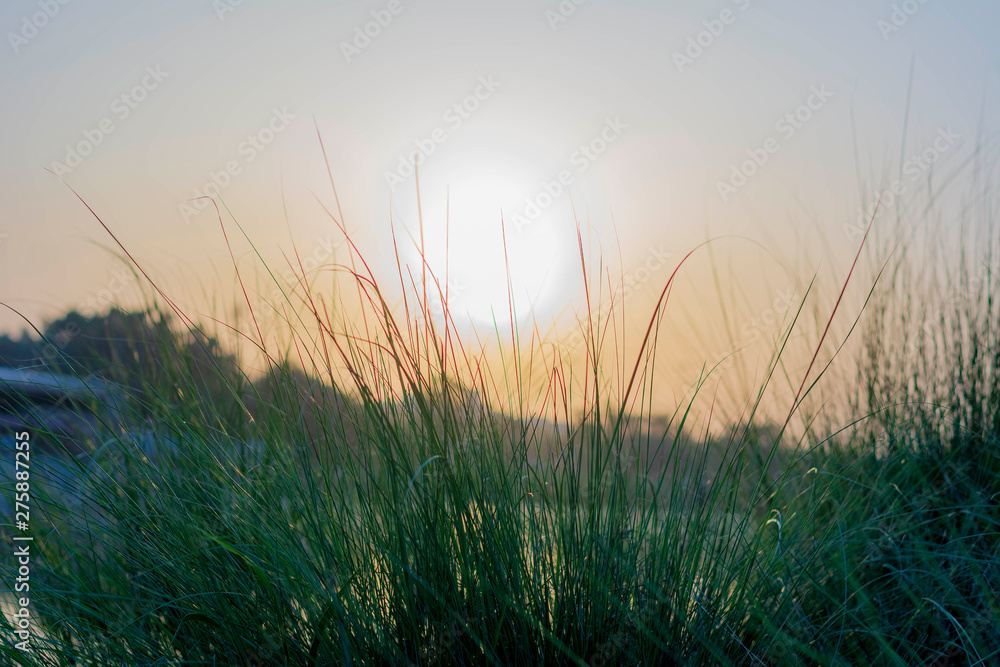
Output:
(652, 125)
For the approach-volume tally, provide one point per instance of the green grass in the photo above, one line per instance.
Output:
(420, 512)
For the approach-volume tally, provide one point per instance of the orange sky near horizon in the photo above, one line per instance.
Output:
(653, 126)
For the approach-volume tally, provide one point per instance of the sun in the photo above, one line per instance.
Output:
(478, 255)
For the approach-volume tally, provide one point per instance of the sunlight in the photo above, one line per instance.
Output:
(473, 255)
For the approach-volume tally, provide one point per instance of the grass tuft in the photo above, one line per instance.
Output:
(381, 495)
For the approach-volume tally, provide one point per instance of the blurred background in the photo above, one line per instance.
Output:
(771, 126)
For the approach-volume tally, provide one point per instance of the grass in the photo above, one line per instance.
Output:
(382, 496)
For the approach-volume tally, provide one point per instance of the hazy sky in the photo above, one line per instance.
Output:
(644, 111)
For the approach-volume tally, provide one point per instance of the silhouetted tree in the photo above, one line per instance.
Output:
(20, 352)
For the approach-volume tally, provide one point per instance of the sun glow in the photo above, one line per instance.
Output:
(478, 256)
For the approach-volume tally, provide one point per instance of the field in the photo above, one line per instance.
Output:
(381, 496)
